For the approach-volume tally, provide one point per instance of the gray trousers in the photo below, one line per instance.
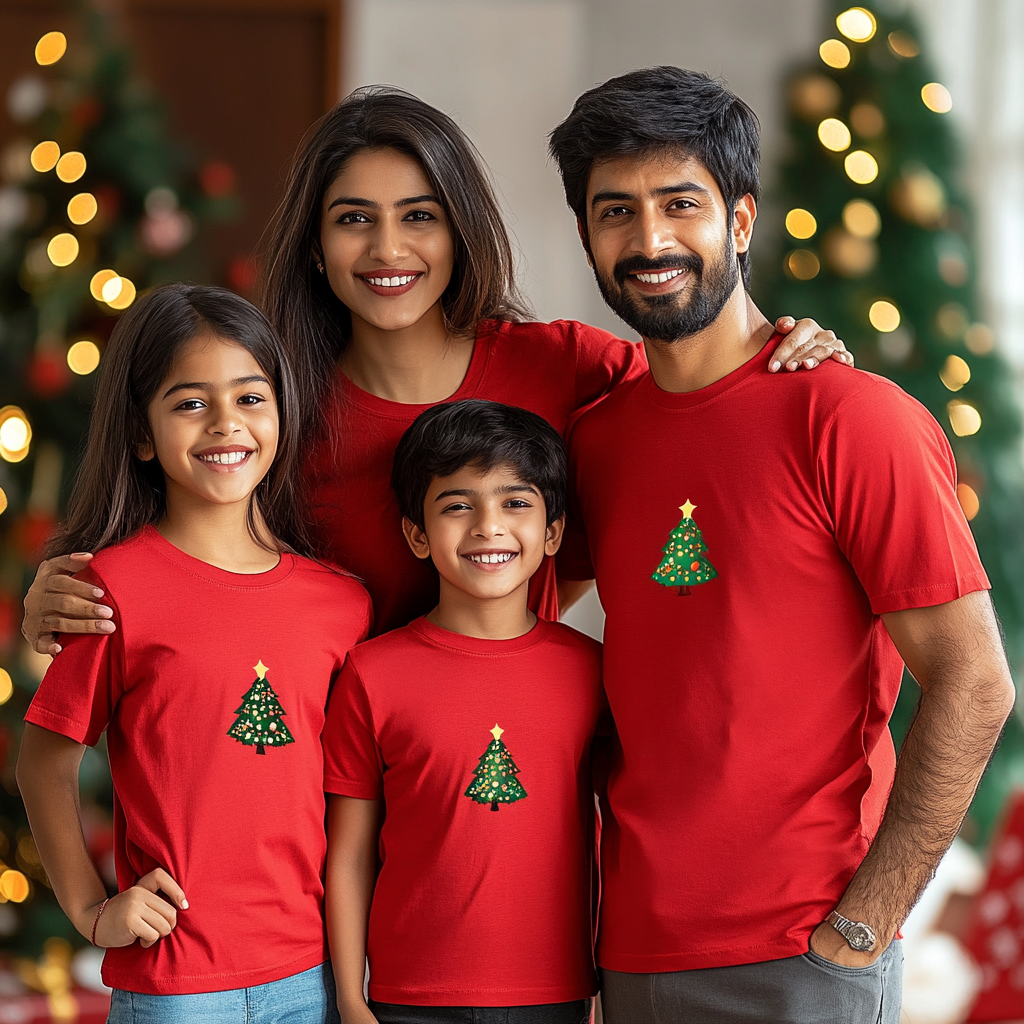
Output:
(805, 989)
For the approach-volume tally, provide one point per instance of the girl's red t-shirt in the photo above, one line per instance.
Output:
(552, 369)
(205, 664)
(480, 751)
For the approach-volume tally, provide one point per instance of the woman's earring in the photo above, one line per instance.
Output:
(319, 266)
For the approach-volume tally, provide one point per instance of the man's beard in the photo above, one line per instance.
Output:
(669, 317)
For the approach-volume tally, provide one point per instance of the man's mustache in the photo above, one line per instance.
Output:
(643, 265)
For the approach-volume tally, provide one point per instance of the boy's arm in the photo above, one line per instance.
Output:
(353, 827)
(48, 778)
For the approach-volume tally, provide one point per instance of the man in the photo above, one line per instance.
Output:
(768, 558)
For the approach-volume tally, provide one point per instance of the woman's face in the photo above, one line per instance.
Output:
(387, 248)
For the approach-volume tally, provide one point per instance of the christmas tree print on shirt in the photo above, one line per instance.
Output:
(683, 563)
(259, 723)
(494, 778)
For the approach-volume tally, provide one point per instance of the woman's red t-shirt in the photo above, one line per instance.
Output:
(551, 369)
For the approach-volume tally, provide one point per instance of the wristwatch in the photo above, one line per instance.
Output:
(858, 935)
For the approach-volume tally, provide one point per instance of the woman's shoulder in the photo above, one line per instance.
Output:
(568, 334)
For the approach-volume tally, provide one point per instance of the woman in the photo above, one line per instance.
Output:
(389, 274)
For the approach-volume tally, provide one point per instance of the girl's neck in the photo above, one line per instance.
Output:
(218, 535)
(417, 365)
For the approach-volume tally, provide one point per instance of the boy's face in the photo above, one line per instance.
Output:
(486, 532)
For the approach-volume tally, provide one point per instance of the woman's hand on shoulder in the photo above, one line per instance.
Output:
(806, 344)
(58, 603)
(139, 913)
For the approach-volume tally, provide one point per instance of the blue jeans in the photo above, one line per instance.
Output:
(306, 998)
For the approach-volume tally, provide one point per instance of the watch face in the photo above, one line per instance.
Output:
(860, 938)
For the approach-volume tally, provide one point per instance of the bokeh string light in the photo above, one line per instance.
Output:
(861, 219)
(861, 167)
(44, 157)
(15, 434)
(857, 23)
(50, 48)
(963, 418)
(82, 208)
(835, 53)
(63, 249)
(800, 223)
(83, 357)
(834, 135)
(955, 373)
(71, 167)
(936, 97)
(884, 316)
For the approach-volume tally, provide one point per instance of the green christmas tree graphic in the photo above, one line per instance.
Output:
(259, 721)
(683, 562)
(494, 780)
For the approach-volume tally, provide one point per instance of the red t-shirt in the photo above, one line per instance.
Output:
(754, 759)
(480, 750)
(204, 664)
(551, 369)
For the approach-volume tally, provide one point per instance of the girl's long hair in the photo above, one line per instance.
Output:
(314, 324)
(115, 493)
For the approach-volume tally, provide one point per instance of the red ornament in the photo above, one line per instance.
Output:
(86, 112)
(242, 275)
(108, 199)
(48, 374)
(217, 178)
(695, 566)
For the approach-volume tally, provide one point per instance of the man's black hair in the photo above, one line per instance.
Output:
(657, 109)
(484, 435)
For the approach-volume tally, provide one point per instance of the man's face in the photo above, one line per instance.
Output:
(662, 243)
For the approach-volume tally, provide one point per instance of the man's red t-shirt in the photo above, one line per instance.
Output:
(480, 751)
(212, 692)
(753, 760)
(551, 369)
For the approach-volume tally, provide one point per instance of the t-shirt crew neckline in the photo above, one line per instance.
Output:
(441, 637)
(690, 399)
(213, 573)
(403, 410)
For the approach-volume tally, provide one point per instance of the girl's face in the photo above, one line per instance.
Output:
(213, 423)
(387, 247)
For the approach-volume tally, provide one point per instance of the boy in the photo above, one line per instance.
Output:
(472, 725)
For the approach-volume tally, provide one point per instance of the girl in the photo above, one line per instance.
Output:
(389, 275)
(212, 689)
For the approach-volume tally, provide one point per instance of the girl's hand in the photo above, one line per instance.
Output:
(806, 345)
(138, 913)
(355, 1012)
(56, 603)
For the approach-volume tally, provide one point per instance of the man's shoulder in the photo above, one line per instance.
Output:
(611, 410)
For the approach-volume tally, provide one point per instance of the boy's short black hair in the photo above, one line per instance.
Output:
(484, 435)
(662, 108)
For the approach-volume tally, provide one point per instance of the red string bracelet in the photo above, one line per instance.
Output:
(96, 919)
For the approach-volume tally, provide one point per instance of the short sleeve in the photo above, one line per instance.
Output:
(889, 476)
(83, 684)
(603, 362)
(352, 761)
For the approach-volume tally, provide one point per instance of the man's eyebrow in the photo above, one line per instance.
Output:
(198, 385)
(371, 205)
(665, 190)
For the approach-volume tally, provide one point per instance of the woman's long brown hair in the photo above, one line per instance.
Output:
(115, 493)
(314, 324)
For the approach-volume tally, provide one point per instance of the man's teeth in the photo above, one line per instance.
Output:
(505, 556)
(224, 458)
(391, 282)
(659, 278)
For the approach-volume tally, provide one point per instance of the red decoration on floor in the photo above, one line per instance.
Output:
(996, 935)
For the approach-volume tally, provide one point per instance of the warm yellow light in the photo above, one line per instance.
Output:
(125, 296)
(835, 53)
(111, 288)
(44, 157)
(867, 120)
(857, 23)
(71, 166)
(903, 44)
(969, 502)
(99, 279)
(955, 373)
(82, 208)
(14, 886)
(83, 357)
(963, 418)
(803, 264)
(861, 167)
(801, 223)
(3, 501)
(834, 135)
(936, 97)
(884, 316)
(51, 48)
(6, 686)
(15, 432)
(62, 249)
(861, 218)
(980, 339)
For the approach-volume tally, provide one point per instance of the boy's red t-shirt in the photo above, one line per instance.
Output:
(203, 664)
(551, 369)
(753, 760)
(474, 906)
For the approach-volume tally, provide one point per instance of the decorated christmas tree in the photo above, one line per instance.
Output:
(683, 563)
(878, 245)
(97, 203)
(259, 723)
(494, 778)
